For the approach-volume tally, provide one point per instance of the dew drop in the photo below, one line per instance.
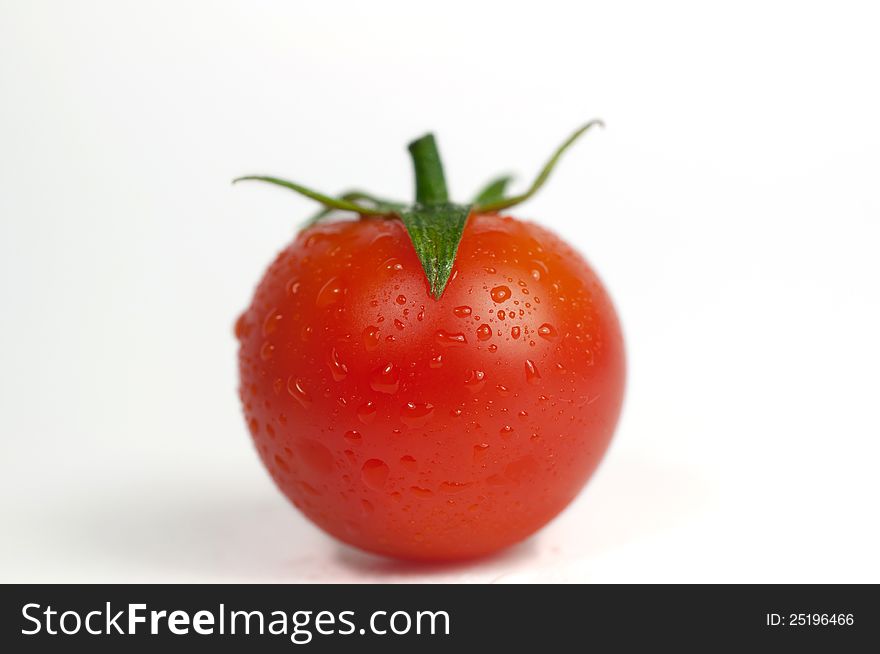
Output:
(401, 299)
(391, 265)
(242, 329)
(374, 473)
(267, 351)
(330, 293)
(532, 374)
(462, 312)
(500, 294)
(514, 332)
(409, 462)
(385, 379)
(353, 436)
(452, 487)
(423, 493)
(366, 413)
(398, 324)
(502, 390)
(539, 269)
(446, 339)
(475, 381)
(282, 464)
(370, 337)
(338, 370)
(436, 361)
(293, 287)
(480, 452)
(547, 331)
(414, 414)
(308, 488)
(484, 332)
(270, 324)
(296, 388)
(502, 315)
(506, 431)
(493, 348)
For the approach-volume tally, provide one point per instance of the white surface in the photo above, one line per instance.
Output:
(732, 207)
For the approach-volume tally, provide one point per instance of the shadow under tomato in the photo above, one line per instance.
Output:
(221, 530)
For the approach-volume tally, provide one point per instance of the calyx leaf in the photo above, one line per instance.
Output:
(434, 224)
(435, 231)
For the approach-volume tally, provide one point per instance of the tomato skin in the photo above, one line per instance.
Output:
(422, 428)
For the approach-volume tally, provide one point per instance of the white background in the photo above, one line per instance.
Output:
(731, 206)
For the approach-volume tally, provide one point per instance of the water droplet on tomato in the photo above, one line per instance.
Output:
(296, 388)
(502, 390)
(475, 381)
(446, 339)
(547, 331)
(242, 328)
(423, 493)
(532, 374)
(353, 436)
(452, 487)
(330, 293)
(267, 351)
(401, 299)
(398, 324)
(409, 462)
(282, 464)
(385, 379)
(462, 312)
(370, 337)
(499, 294)
(293, 287)
(366, 413)
(480, 452)
(338, 370)
(514, 332)
(391, 265)
(506, 431)
(374, 473)
(270, 324)
(539, 269)
(414, 414)
(436, 361)
(484, 332)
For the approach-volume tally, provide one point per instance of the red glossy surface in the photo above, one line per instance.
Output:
(430, 429)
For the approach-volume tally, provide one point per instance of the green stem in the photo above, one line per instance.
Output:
(430, 181)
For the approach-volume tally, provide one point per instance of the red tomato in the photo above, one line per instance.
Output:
(423, 428)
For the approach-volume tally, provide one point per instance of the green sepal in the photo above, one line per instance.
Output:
(493, 191)
(506, 203)
(328, 201)
(387, 207)
(435, 231)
